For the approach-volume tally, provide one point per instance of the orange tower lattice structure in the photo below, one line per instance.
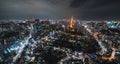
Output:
(71, 22)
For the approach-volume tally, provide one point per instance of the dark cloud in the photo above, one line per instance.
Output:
(77, 3)
(97, 9)
(81, 9)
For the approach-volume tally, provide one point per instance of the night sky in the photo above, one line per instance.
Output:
(58, 9)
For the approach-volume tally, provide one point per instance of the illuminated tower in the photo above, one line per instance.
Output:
(71, 22)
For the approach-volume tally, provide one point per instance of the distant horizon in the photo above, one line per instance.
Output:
(61, 18)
